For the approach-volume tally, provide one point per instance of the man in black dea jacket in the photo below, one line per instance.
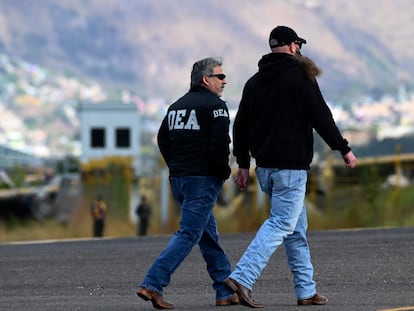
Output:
(281, 105)
(194, 142)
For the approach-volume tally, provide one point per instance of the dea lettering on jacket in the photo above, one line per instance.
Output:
(187, 119)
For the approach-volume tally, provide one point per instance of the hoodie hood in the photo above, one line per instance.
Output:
(272, 65)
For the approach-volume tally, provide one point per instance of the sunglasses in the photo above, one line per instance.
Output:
(299, 43)
(220, 76)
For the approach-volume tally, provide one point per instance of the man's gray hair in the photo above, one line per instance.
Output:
(203, 67)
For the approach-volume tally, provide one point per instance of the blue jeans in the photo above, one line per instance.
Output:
(286, 224)
(197, 196)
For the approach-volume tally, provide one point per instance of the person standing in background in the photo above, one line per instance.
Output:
(143, 211)
(98, 211)
(280, 106)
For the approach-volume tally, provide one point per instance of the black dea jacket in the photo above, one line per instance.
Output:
(193, 137)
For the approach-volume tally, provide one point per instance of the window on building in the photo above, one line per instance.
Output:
(98, 137)
(123, 138)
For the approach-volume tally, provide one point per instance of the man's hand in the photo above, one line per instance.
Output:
(350, 159)
(242, 178)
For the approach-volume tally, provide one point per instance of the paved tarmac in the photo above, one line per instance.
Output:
(357, 270)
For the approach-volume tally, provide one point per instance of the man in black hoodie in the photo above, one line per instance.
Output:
(194, 142)
(281, 105)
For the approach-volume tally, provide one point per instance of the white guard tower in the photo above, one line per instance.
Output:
(110, 130)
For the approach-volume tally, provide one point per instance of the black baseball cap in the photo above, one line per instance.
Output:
(283, 35)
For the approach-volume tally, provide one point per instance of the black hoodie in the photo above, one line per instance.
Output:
(280, 107)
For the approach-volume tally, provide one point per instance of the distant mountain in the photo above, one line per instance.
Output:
(148, 46)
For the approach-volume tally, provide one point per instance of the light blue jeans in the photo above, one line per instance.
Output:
(286, 224)
(197, 196)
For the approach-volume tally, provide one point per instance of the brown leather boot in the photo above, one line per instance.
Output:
(233, 300)
(245, 294)
(315, 300)
(156, 298)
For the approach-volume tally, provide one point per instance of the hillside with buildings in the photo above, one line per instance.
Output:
(39, 110)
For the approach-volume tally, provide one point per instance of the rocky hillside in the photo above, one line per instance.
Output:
(364, 47)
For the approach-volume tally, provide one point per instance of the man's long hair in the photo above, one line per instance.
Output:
(311, 69)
